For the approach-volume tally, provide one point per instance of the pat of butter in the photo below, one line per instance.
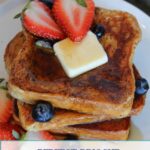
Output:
(78, 58)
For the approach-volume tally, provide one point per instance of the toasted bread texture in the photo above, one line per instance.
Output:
(13, 49)
(35, 75)
(64, 122)
(107, 130)
(65, 118)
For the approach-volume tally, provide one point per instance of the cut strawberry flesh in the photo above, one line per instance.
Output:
(76, 14)
(74, 18)
(37, 19)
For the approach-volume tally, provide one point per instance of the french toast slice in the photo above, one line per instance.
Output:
(63, 118)
(107, 90)
(107, 130)
(117, 129)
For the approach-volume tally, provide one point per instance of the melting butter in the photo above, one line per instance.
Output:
(78, 58)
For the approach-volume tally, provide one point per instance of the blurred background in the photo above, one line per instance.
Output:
(142, 4)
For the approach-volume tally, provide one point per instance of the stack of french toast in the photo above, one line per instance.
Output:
(97, 104)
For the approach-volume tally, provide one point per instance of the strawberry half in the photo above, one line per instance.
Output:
(6, 105)
(74, 17)
(9, 131)
(37, 19)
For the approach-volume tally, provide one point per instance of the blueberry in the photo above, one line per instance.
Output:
(42, 112)
(71, 137)
(45, 44)
(141, 86)
(49, 3)
(99, 30)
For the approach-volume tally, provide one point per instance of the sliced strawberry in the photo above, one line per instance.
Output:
(6, 105)
(40, 135)
(74, 18)
(38, 20)
(9, 132)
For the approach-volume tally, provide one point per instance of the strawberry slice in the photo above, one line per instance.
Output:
(6, 105)
(37, 19)
(9, 131)
(74, 16)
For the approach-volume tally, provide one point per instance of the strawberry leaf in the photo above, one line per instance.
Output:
(81, 2)
(3, 88)
(24, 9)
(17, 16)
(1, 80)
(3, 85)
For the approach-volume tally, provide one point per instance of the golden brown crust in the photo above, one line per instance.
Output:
(94, 134)
(65, 118)
(82, 134)
(13, 49)
(108, 86)
(108, 130)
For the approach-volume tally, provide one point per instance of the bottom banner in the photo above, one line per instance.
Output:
(75, 145)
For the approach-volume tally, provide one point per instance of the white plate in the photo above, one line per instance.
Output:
(9, 27)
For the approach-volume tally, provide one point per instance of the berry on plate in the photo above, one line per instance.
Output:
(142, 86)
(49, 3)
(9, 131)
(74, 17)
(43, 112)
(6, 106)
(37, 19)
(99, 30)
(45, 44)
